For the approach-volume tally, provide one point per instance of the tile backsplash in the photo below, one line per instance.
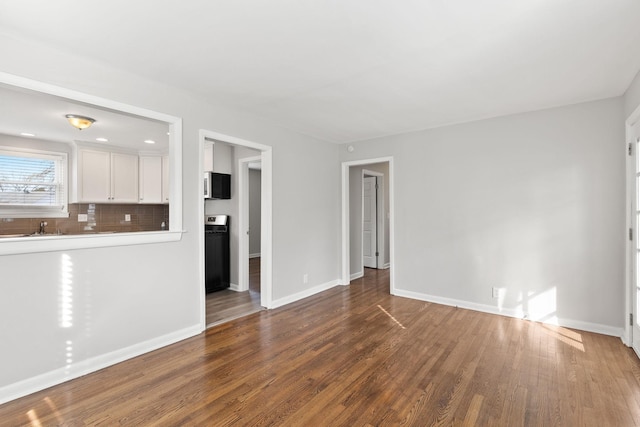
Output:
(101, 218)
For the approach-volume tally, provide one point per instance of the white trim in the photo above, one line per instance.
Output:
(61, 243)
(34, 244)
(386, 266)
(254, 255)
(567, 323)
(345, 219)
(357, 275)
(235, 288)
(305, 294)
(60, 375)
(266, 223)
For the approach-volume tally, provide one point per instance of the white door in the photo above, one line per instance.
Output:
(369, 222)
(635, 206)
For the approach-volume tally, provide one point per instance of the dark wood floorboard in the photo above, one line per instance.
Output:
(357, 356)
(254, 274)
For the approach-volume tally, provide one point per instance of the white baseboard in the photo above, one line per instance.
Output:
(234, 287)
(567, 323)
(304, 294)
(84, 367)
(357, 275)
(254, 255)
(386, 266)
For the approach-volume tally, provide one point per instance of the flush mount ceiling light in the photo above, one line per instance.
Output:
(79, 122)
(149, 141)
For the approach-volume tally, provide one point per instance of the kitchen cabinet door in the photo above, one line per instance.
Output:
(208, 157)
(124, 178)
(150, 182)
(94, 176)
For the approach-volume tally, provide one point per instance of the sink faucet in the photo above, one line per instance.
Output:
(42, 225)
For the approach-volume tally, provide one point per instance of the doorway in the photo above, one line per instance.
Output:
(230, 302)
(633, 243)
(374, 212)
(353, 175)
(250, 226)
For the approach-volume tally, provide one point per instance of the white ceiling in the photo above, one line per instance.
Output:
(345, 71)
(43, 115)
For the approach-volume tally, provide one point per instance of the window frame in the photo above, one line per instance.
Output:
(31, 211)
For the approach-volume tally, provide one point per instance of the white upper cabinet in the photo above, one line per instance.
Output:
(208, 157)
(150, 185)
(124, 178)
(106, 177)
(94, 176)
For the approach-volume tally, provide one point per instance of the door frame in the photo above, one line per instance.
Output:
(266, 236)
(345, 245)
(379, 217)
(243, 221)
(630, 250)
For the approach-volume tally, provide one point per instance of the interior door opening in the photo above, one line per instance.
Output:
(633, 132)
(237, 300)
(373, 212)
(367, 218)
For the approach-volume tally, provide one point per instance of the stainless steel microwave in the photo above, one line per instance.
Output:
(217, 185)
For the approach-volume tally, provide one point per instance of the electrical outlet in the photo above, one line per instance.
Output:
(127, 217)
(82, 218)
(495, 292)
(305, 278)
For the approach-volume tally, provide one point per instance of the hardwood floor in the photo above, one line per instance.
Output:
(356, 356)
(225, 305)
(254, 274)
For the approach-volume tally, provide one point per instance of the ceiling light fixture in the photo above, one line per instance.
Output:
(80, 122)
(149, 141)
(102, 139)
(27, 134)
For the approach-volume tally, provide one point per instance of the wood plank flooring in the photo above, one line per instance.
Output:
(356, 356)
(225, 305)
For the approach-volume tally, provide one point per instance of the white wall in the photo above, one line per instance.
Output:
(255, 178)
(532, 203)
(135, 296)
(355, 214)
(632, 96)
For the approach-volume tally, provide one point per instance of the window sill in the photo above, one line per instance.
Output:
(53, 243)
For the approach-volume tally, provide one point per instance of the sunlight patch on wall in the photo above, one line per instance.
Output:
(542, 306)
(65, 293)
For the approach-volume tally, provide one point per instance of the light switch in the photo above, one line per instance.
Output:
(82, 218)
(127, 217)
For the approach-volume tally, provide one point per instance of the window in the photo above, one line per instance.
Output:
(33, 183)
